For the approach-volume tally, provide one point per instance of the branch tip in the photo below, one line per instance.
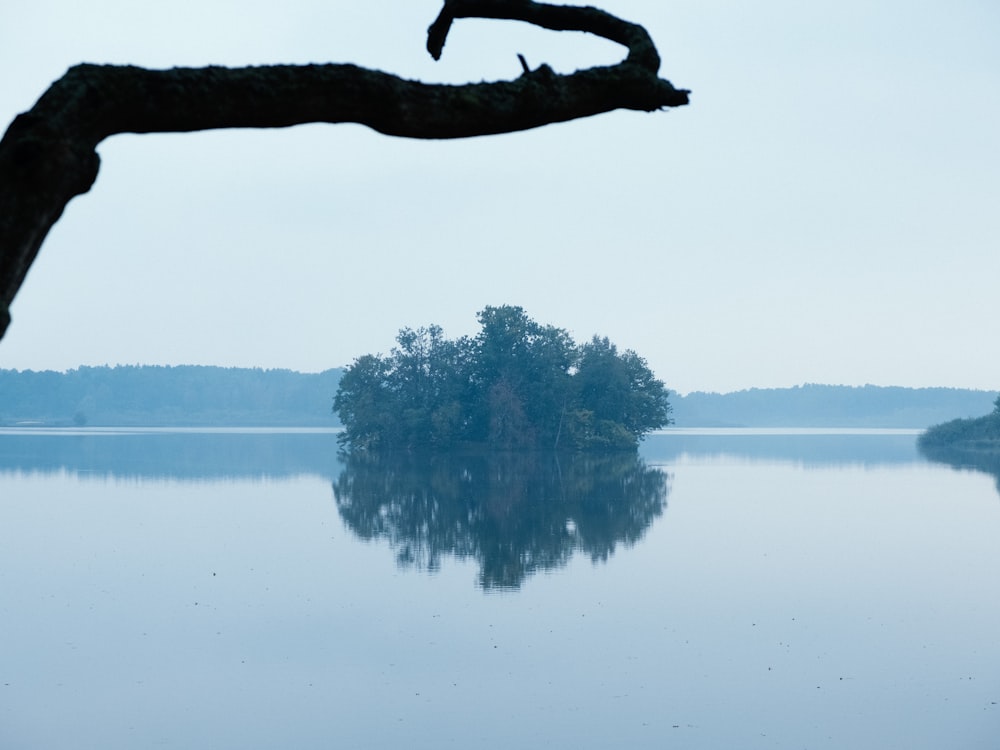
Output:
(437, 32)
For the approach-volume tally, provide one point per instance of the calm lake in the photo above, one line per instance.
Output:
(251, 589)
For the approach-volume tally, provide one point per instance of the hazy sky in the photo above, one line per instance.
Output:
(827, 210)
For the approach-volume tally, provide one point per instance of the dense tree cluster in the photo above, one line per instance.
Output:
(515, 385)
(966, 443)
(981, 433)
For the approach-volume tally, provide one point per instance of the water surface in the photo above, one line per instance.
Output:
(245, 589)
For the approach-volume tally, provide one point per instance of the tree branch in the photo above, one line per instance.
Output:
(48, 154)
(641, 50)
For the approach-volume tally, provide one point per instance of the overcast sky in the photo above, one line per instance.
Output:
(827, 209)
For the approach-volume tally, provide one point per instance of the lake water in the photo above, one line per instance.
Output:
(249, 589)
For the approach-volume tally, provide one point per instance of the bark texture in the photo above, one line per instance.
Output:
(48, 154)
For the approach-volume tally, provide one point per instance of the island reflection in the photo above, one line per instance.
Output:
(514, 513)
(966, 459)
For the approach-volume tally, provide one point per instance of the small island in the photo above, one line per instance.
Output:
(516, 385)
(979, 434)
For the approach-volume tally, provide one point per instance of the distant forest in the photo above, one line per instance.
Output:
(153, 396)
(831, 406)
(197, 396)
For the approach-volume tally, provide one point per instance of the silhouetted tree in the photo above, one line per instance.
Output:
(516, 385)
(48, 154)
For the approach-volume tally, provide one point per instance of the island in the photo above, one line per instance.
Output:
(516, 385)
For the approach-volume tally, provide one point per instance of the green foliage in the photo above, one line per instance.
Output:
(515, 385)
(957, 440)
(982, 433)
(185, 395)
(815, 405)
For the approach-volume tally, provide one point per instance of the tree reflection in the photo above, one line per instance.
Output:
(515, 513)
(971, 459)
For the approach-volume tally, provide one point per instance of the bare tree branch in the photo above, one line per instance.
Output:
(641, 50)
(48, 154)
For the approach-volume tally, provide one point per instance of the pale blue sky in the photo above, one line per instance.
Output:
(825, 211)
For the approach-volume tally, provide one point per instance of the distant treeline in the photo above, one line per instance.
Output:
(188, 395)
(196, 396)
(830, 406)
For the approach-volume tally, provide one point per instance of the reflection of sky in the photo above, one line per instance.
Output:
(175, 454)
(813, 448)
(846, 605)
(206, 454)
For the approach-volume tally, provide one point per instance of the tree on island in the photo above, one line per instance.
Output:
(48, 155)
(965, 435)
(516, 385)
